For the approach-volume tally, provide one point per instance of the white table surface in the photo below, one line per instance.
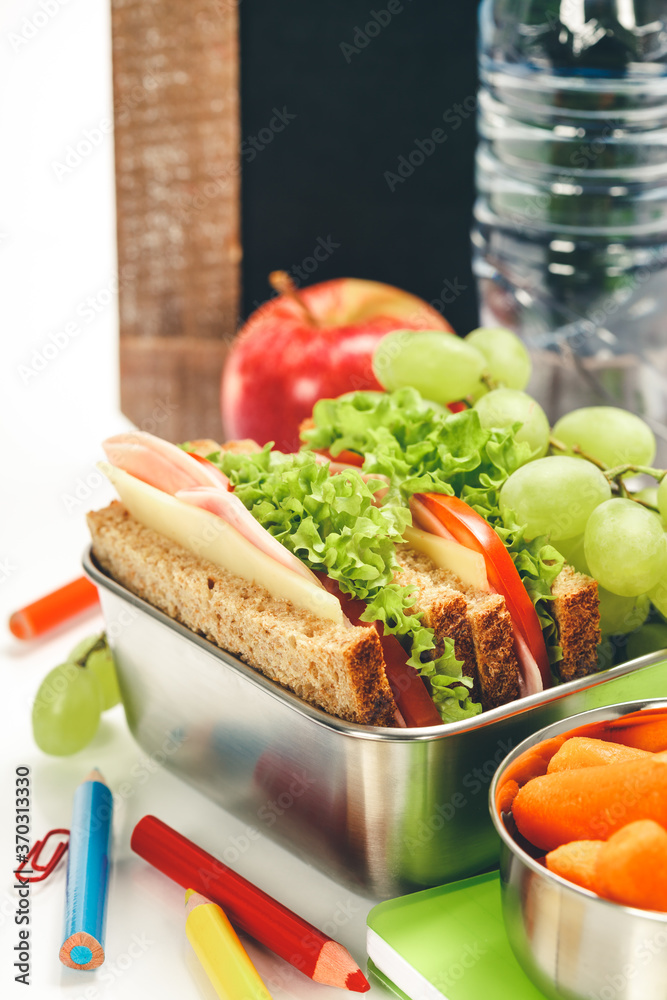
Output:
(57, 250)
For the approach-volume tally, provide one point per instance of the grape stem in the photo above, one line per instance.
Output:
(559, 446)
(100, 644)
(489, 381)
(615, 475)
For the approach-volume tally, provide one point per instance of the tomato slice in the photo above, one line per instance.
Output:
(344, 457)
(470, 529)
(413, 700)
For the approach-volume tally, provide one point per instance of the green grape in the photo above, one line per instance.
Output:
(504, 407)
(658, 595)
(622, 615)
(661, 499)
(507, 360)
(554, 496)
(647, 640)
(67, 710)
(613, 436)
(625, 547)
(94, 654)
(572, 550)
(649, 495)
(441, 366)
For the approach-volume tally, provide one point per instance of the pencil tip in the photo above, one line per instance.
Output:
(336, 967)
(357, 982)
(95, 775)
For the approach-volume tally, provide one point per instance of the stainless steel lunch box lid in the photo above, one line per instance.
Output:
(573, 944)
(385, 811)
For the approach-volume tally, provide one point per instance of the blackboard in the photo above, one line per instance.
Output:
(358, 135)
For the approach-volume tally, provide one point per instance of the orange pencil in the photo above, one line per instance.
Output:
(53, 609)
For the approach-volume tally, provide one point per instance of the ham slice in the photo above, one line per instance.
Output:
(160, 463)
(230, 509)
(170, 469)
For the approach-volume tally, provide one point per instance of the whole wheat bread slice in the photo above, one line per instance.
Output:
(340, 668)
(477, 622)
(576, 611)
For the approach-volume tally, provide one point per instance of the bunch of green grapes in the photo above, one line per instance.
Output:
(581, 499)
(574, 488)
(72, 697)
(488, 369)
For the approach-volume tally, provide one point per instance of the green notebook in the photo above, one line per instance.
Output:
(447, 942)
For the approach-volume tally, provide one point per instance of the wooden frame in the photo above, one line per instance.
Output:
(177, 142)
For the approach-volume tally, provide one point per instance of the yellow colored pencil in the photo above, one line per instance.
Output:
(220, 952)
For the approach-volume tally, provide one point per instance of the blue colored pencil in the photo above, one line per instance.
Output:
(87, 874)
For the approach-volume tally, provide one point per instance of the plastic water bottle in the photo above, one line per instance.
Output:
(570, 232)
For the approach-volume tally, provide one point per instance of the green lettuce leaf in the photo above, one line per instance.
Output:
(422, 448)
(334, 525)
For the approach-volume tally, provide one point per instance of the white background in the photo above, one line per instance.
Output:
(57, 263)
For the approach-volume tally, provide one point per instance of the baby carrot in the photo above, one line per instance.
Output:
(533, 761)
(582, 751)
(52, 610)
(648, 733)
(591, 803)
(576, 862)
(631, 867)
(505, 796)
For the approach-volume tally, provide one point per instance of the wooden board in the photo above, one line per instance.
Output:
(176, 112)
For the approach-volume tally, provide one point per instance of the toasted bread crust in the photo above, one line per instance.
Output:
(337, 667)
(478, 623)
(576, 611)
(493, 636)
(443, 607)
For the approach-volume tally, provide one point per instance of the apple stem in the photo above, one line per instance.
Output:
(282, 283)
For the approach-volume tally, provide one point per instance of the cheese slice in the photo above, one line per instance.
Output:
(210, 537)
(469, 566)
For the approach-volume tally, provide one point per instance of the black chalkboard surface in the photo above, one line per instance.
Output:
(358, 136)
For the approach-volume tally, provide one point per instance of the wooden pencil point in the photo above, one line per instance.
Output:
(336, 967)
(87, 874)
(95, 775)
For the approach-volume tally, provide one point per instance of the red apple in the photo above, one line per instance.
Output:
(309, 344)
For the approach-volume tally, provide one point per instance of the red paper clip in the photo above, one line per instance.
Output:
(35, 852)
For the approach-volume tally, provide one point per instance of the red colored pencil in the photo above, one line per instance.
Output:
(249, 908)
(52, 610)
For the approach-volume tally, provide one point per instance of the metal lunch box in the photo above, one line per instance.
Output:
(573, 944)
(384, 811)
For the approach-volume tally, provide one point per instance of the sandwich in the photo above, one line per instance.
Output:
(346, 572)
(421, 449)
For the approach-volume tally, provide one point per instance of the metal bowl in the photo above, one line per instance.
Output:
(571, 943)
